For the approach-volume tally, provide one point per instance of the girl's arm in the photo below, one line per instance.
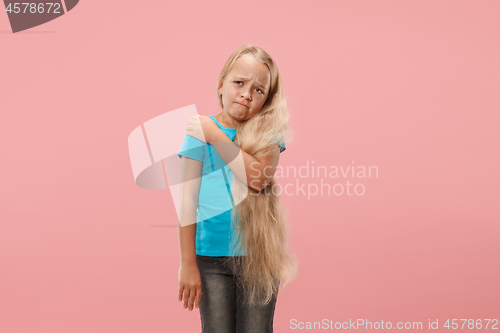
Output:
(189, 190)
(189, 275)
(256, 173)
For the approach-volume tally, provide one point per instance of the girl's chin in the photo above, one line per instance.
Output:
(238, 114)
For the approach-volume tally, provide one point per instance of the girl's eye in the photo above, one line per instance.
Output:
(238, 82)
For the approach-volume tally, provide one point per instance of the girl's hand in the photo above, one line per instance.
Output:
(190, 285)
(203, 128)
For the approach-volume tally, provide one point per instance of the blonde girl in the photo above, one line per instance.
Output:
(234, 249)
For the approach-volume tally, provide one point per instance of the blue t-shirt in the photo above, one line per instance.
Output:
(214, 231)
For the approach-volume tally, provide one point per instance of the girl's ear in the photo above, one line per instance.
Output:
(219, 90)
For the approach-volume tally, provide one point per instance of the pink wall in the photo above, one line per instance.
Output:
(411, 88)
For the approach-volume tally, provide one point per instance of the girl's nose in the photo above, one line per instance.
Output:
(247, 95)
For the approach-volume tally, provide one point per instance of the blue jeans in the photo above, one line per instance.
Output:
(221, 308)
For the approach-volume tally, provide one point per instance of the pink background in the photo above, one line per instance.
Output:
(409, 87)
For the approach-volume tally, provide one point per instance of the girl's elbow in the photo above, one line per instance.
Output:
(256, 185)
(259, 185)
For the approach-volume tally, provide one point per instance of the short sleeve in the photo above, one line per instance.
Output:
(192, 148)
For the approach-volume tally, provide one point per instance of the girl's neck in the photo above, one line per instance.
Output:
(226, 120)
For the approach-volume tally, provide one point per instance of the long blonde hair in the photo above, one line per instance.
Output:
(260, 220)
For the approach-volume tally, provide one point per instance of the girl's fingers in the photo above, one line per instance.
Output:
(181, 289)
(198, 297)
(186, 297)
(191, 299)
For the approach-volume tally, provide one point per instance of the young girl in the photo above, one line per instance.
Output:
(234, 241)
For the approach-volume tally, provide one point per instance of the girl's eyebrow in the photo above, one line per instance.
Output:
(246, 78)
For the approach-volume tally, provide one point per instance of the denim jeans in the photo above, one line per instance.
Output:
(221, 307)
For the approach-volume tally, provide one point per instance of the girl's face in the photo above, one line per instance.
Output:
(245, 88)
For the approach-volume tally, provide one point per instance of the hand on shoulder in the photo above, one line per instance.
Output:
(202, 128)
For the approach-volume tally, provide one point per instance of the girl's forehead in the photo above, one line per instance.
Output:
(248, 69)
